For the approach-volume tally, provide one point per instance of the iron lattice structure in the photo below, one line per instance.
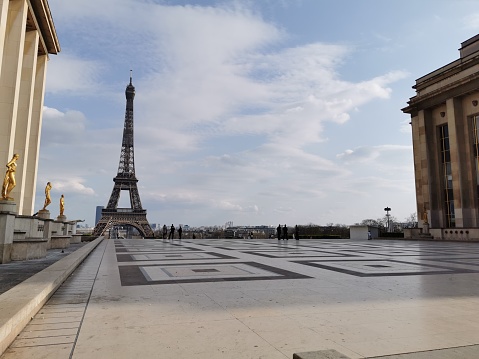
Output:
(125, 180)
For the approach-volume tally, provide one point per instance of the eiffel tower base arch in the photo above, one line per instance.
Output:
(136, 219)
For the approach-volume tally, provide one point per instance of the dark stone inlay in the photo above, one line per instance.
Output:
(129, 257)
(205, 270)
(358, 273)
(156, 249)
(292, 254)
(132, 275)
(377, 266)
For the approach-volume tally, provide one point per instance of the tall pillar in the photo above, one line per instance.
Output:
(35, 134)
(434, 172)
(3, 26)
(24, 116)
(456, 142)
(10, 75)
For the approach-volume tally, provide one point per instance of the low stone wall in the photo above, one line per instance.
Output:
(60, 242)
(28, 248)
(76, 238)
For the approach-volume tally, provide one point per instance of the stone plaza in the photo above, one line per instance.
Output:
(232, 298)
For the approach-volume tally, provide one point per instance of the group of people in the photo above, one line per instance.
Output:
(171, 235)
(282, 232)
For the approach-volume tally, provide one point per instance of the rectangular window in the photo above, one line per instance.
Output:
(447, 176)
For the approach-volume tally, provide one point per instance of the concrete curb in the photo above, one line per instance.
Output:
(19, 304)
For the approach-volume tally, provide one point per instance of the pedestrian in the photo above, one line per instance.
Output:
(172, 232)
(278, 231)
(369, 235)
(165, 231)
(285, 232)
(296, 232)
(180, 230)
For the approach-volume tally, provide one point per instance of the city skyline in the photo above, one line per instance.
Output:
(256, 112)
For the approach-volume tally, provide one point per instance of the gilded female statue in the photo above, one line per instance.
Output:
(48, 200)
(62, 205)
(9, 180)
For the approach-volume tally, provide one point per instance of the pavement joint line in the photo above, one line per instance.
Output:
(92, 279)
(21, 303)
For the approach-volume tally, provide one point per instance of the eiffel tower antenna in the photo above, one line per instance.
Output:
(125, 180)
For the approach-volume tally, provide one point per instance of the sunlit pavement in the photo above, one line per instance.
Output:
(260, 299)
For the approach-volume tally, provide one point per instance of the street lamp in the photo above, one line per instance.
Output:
(387, 209)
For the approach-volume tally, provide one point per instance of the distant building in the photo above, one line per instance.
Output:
(445, 132)
(98, 213)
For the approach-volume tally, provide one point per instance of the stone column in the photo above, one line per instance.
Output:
(7, 227)
(3, 25)
(24, 117)
(35, 134)
(10, 74)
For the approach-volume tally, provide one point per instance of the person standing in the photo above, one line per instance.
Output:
(172, 232)
(180, 230)
(165, 231)
(278, 231)
(285, 232)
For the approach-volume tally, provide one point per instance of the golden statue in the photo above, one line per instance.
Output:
(9, 180)
(62, 205)
(48, 200)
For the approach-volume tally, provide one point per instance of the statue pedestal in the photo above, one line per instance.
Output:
(44, 214)
(62, 218)
(7, 226)
(7, 205)
(425, 228)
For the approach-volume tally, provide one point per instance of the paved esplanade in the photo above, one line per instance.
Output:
(261, 299)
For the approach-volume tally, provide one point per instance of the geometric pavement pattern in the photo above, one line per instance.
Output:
(155, 262)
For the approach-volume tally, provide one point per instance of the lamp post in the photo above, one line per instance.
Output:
(387, 209)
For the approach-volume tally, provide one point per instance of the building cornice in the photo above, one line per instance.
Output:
(437, 97)
(44, 22)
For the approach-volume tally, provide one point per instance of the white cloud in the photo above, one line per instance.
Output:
(72, 74)
(368, 153)
(72, 185)
(62, 127)
(224, 110)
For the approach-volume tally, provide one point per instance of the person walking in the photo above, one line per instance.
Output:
(278, 231)
(285, 232)
(172, 232)
(165, 231)
(296, 232)
(180, 230)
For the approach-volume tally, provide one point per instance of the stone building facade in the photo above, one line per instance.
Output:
(27, 37)
(445, 132)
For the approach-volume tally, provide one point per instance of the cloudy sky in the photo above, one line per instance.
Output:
(256, 112)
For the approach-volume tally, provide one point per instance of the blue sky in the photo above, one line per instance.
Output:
(256, 112)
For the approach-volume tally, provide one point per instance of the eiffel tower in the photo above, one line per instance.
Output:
(125, 180)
